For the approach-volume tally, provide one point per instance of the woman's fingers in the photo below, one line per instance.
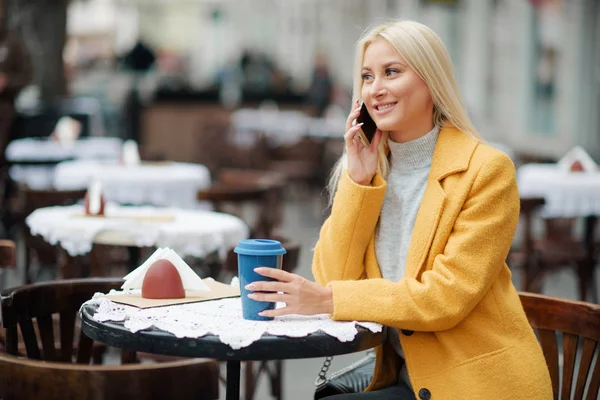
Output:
(269, 297)
(278, 312)
(267, 286)
(276, 273)
(375, 142)
(352, 134)
(353, 115)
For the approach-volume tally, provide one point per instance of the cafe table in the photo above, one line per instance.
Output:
(194, 233)
(216, 329)
(164, 183)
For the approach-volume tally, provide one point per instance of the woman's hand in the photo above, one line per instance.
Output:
(300, 295)
(362, 161)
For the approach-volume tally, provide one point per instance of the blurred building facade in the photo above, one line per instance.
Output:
(529, 69)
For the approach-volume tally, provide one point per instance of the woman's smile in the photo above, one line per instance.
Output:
(383, 108)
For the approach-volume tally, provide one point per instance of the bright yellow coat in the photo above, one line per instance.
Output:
(464, 333)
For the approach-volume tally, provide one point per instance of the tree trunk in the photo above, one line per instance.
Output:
(42, 26)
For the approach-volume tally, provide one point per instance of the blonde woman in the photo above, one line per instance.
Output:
(420, 227)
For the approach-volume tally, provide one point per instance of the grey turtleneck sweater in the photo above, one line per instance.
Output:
(406, 182)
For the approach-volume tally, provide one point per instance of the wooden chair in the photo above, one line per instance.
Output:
(557, 248)
(569, 333)
(32, 308)
(49, 309)
(33, 379)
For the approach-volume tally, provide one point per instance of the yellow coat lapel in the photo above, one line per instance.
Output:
(452, 154)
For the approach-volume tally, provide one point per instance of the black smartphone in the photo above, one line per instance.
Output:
(367, 130)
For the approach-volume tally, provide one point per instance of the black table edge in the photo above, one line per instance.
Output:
(269, 347)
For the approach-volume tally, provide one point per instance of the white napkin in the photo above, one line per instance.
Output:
(130, 153)
(577, 153)
(94, 193)
(190, 280)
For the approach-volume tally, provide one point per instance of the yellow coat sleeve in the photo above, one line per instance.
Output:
(459, 277)
(344, 237)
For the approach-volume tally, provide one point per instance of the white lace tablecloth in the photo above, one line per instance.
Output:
(44, 150)
(567, 194)
(160, 184)
(188, 232)
(222, 318)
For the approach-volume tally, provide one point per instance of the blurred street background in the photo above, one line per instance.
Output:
(265, 85)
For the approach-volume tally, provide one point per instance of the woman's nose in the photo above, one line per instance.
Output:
(377, 89)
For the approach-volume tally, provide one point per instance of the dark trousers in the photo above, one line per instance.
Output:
(399, 391)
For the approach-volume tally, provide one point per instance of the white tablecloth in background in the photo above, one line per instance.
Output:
(160, 184)
(45, 150)
(567, 194)
(34, 149)
(188, 233)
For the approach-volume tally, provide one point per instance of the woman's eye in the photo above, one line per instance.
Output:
(366, 76)
(391, 72)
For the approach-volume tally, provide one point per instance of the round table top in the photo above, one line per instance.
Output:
(188, 232)
(269, 347)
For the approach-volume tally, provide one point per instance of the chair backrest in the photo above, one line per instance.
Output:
(32, 379)
(39, 302)
(569, 333)
(34, 199)
(8, 254)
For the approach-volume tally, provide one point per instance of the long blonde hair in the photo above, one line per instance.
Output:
(425, 53)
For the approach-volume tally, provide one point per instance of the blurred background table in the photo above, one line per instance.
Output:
(33, 160)
(159, 183)
(566, 193)
(193, 233)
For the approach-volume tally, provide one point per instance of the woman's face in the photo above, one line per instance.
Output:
(398, 100)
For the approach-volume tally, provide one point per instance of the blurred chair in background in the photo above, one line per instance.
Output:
(557, 247)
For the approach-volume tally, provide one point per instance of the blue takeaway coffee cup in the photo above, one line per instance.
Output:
(254, 253)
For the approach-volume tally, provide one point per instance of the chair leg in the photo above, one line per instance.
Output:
(128, 357)
(532, 274)
(587, 281)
